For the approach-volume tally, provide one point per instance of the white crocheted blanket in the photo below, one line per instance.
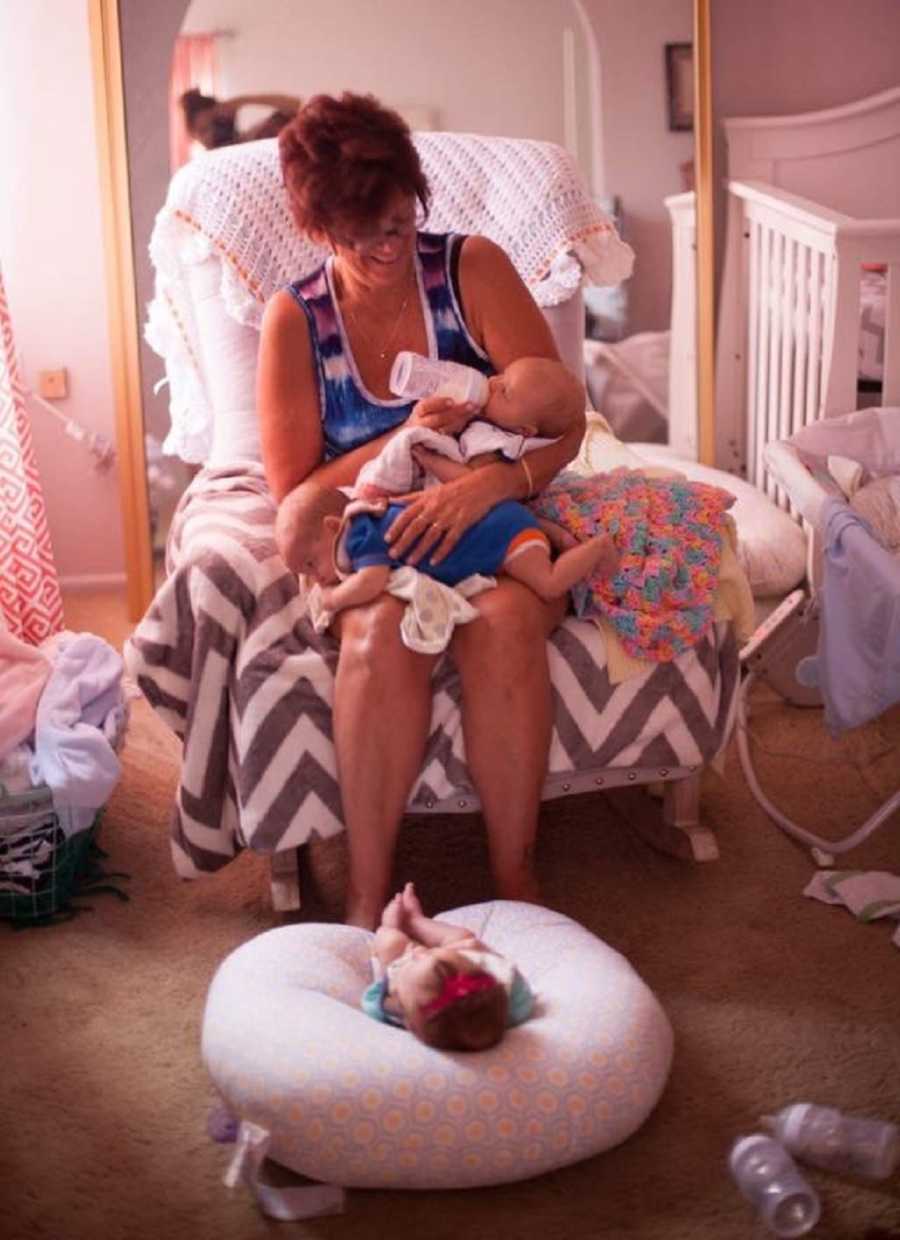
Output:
(528, 196)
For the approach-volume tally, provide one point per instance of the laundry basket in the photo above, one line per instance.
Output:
(43, 854)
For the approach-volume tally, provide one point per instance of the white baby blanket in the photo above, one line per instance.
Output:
(395, 471)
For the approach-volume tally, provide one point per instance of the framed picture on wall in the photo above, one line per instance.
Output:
(680, 84)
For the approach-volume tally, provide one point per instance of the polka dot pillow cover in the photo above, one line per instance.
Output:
(349, 1101)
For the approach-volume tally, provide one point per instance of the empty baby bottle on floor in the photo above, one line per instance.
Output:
(768, 1177)
(415, 377)
(828, 1138)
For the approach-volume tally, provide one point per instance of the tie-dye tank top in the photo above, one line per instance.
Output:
(351, 415)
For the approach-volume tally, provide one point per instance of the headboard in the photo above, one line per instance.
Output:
(813, 199)
(846, 158)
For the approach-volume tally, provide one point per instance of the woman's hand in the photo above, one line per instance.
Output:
(440, 413)
(435, 520)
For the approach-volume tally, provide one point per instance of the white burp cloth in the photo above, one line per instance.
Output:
(395, 470)
(868, 894)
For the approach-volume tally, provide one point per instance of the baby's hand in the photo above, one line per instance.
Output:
(440, 413)
(372, 494)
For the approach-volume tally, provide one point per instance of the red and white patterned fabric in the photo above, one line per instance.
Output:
(30, 601)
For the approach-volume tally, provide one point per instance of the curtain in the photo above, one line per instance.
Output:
(30, 601)
(193, 64)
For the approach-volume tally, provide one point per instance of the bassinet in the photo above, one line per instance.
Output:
(855, 584)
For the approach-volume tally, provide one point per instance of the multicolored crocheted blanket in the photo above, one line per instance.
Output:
(669, 533)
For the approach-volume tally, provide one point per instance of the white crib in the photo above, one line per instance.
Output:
(789, 309)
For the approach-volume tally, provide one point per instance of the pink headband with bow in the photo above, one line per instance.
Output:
(457, 987)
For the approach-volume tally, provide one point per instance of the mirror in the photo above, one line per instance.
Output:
(603, 93)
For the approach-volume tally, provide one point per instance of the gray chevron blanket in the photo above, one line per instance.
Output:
(228, 659)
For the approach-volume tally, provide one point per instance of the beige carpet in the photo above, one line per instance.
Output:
(774, 998)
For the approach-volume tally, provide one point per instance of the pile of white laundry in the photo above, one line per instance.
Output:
(63, 713)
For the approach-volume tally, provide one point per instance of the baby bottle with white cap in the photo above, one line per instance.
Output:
(768, 1177)
(836, 1141)
(416, 377)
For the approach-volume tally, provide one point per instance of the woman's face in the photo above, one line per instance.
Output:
(381, 254)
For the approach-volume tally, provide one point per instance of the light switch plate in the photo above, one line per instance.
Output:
(53, 384)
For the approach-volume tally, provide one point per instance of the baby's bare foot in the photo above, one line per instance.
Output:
(393, 913)
(410, 901)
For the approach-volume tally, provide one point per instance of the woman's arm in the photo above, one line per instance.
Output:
(282, 103)
(444, 468)
(507, 322)
(287, 397)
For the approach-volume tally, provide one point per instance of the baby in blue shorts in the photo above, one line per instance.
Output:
(350, 558)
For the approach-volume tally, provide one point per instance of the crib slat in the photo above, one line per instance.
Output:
(839, 394)
(753, 312)
(758, 418)
(787, 277)
(802, 313)
(770, 422)
(816, 310)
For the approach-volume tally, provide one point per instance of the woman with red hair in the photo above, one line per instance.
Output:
(354, 182)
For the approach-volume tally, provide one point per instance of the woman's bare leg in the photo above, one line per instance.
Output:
(507, 721)
(382, 710)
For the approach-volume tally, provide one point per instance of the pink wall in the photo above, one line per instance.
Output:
(640, 154)
(769, 56)
(778, 57)
(52, 256)
(788, 56)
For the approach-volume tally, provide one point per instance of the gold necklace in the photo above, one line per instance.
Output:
(383, 352)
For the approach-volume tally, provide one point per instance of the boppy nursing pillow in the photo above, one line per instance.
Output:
(350, 1101)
